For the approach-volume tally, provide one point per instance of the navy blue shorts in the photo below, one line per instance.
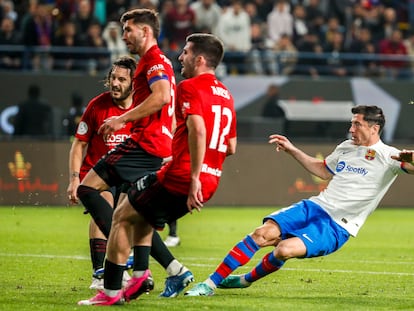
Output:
(309, 222)
(126, 163)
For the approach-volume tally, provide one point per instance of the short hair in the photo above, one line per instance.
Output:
(126, 62)
(143, 16)
(208, 46)
(372, 114)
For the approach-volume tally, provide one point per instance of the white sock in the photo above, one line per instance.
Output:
(175, 268)
(112, 292)
(210, 283)
(138, 274)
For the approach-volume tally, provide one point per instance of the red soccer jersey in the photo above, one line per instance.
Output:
(203, 95)
(99, 109)
(153, 133)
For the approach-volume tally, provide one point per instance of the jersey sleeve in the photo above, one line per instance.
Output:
(189, 101)
(331, 161)
(157, 68)
(396, 166)
(86, 125)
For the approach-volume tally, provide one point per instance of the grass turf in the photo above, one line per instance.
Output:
(44, 264)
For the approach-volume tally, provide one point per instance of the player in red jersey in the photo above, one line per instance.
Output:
(205, 135)
(88, 147)
(150, 142)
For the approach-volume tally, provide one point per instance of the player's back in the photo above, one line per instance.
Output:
(207, 97)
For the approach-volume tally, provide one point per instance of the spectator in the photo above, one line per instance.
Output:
(65, 9)
(207, 15)
(366, 65)
(70, 123)
(9, 59)
(251, 10)
(286, 54)
(279, 21)
(234, 28)
(112, 35)
(300, 27)
(84, 18)
(38, 30)
(387, 25)
(315, 18)
(261, 59)
(395, 66)
(271, 107)
(166, 6)
(373, 19)
(34, 118)
(178, 24)
(335, 63)
(64, 58)
(330, 30)
(312, 58)
(115, 8)
(264, 7)
(100, 59)
(8, 10)
(409, 45)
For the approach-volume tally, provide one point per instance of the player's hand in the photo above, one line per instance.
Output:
(72, 191)
(195, 196)
(111, 125)
(281, 142)
(404, 156)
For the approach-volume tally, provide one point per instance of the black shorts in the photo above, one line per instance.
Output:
(152, 201)
(126, 163)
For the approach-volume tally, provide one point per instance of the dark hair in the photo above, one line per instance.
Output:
(372, 114)
(143, 16)
(207, 45)
(126, 62)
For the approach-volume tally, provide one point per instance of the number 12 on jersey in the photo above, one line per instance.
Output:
(220, 131)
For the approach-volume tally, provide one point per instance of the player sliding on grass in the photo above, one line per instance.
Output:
(360, 171)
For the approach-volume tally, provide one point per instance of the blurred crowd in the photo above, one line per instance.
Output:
(306, 37)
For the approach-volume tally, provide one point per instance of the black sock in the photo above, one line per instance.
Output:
(160, 252)
(113, 275)
(141, 258)
(173, 228)
(100, 210)
(98, 250)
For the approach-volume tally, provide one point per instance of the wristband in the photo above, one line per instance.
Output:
(74, 174)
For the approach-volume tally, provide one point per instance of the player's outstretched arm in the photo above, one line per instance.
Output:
(313, 165)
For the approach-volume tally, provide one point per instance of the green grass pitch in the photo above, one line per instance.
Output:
(44, 264)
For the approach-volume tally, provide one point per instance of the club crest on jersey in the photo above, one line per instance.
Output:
(370, 154)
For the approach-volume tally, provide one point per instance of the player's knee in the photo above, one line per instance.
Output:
(283, 251)
(85, 191)
(266, 235)
(290, 248)
(125, 214)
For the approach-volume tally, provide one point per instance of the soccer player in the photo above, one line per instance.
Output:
(205, 135)
(360, 170)
(88, 147)
(148, 145)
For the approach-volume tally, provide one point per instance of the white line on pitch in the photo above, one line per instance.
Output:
(216, 259)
